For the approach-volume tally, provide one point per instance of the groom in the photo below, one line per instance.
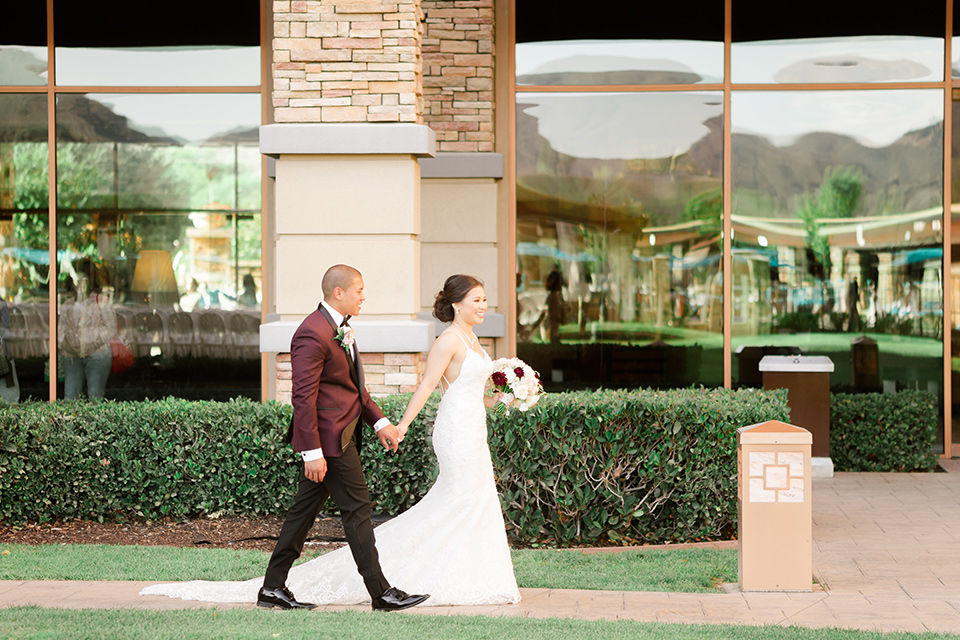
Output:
(330, 403)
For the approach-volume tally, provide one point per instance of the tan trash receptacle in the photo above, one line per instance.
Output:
(774, 500)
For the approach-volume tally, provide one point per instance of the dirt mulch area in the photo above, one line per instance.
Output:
(208, 533)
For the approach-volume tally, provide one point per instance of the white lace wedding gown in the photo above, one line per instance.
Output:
(452, 544)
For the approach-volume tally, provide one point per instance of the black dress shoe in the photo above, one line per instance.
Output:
(394, 600)
(280, 597)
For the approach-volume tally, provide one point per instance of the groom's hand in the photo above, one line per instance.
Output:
(315, 469)
(389, 438)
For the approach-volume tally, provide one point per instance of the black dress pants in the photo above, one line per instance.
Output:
(345, 483)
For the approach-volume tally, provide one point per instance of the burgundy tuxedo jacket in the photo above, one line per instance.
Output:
(328, 391)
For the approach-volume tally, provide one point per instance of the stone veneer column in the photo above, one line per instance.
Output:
(458, 66)
(348, 102)
(350, 193)
(347, 61)
(385, 373)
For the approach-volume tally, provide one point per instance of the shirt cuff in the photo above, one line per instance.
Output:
(312, 454)
(381, 423)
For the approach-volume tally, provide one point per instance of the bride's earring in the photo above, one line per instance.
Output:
(457, 309)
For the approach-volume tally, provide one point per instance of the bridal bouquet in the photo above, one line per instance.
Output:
(517, 382)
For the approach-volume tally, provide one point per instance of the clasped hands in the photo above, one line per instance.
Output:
(392, 435)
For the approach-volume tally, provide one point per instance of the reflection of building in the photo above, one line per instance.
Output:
(150, 129)
(689, 213)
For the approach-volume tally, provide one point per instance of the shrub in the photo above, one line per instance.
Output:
(579, 468)
(625, 467)
(883, 432)
(173, 458)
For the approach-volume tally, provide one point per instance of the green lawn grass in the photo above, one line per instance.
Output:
(691, 570)
(34, 622)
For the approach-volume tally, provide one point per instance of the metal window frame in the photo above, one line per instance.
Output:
(52, 90)
(947, 84)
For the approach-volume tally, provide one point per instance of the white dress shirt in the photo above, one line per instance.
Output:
(316, 454)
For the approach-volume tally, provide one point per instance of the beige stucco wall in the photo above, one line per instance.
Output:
(459, 235)
(346, 194)
(390, 266)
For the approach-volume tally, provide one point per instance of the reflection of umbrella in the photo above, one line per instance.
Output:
(600, 69)
(918, 255)
(535, 249)
(38, 256)
(622, 126)
(851, 69)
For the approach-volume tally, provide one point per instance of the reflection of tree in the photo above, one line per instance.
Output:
(90, 190)
(708, 208)
(837, 197)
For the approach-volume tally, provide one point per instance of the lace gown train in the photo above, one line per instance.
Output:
(452, 544)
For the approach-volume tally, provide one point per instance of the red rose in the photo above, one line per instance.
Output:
(519, 372)
(499, 379)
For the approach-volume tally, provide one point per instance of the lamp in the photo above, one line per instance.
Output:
(154, 275)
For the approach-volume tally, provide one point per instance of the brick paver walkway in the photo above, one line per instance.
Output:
(886, 547)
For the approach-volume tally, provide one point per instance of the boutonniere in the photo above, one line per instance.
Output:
(345, 337)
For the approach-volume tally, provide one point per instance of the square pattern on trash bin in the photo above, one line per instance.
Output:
(776, 476)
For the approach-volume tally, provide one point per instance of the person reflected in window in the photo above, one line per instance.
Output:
(248, 296)
(86, 326)
(192, 298)
(555, 304)
(853, 305)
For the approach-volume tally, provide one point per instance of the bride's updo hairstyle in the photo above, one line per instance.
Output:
(454, 290)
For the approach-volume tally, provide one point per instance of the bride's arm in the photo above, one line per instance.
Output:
(441, 353)
(491, 401)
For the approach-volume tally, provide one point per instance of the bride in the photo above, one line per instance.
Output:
(452, 544)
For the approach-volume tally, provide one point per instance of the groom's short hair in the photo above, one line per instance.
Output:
(339, 275)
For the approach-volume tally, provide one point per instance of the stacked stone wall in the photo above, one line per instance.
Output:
(384, 374)
(458, 64)
(388, 373)
(347, 61)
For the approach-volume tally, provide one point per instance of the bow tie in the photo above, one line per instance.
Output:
(346, 319)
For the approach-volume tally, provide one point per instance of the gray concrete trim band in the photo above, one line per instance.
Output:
(347, 139)
(494, 324)
(463, 165)
(373, 336)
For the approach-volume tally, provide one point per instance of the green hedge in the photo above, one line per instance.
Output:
(639, 466)
(580, 468)
(883, 432)
(174, 458)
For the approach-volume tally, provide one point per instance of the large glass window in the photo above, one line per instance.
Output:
(23, 44)
(24, 245)
(619, 44)
(837, 231)
(173, 43)
(955, 278)
(618, 238)
(158, 227)
(837, 42)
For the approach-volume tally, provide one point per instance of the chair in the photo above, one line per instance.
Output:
(149, 333)
(38, 337)
(17, 335)
(212, 335)
(245, 336)
(181, 334)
